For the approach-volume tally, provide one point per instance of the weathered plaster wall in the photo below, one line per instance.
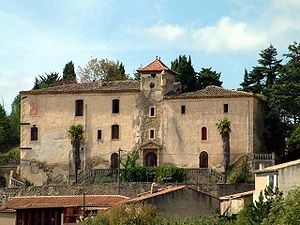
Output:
(288, 178)
(261, 182)
(182, 137)
(7, 218)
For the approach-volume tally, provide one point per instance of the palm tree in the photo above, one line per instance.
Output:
(223, 126)
(75, 133)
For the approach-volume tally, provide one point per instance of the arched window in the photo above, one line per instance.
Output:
(115, 106)
(34, 133)
(203, 160)
(114, 161)
(115, 132)
(203, 133)
(150, 159)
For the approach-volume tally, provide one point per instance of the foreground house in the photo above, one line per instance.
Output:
(150, 116)
(180, 202)
(57, 210)
(285, 176)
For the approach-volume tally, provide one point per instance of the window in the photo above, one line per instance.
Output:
(203, 160)
(152, 85)
(151, 134)
(34, 133)
(272, 180)
(183, 109)
(115, 132)
(225, 108)
(114, 161)
(203, 133)
(153, 75)
(79, 108)
(99, 134)
(152, 111)
(115, 106)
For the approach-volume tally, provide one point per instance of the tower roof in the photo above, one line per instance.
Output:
(156, 66)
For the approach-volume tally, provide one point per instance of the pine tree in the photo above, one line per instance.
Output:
(208, 77)
(69, 75)
(187, 76)
(4, 130)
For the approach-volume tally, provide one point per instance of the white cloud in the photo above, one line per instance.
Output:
(165, 32)
(227, 35)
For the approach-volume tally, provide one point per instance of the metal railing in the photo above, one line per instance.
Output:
(15, 183)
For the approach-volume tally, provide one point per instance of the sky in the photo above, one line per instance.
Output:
(41, 36)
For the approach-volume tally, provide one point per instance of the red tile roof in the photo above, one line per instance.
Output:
(92, 87)
(162, 192)
(156, 66)
(101, 201)
(211, 92)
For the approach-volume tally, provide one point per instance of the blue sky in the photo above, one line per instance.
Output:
(39, 36)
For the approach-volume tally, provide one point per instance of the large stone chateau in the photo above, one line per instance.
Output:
(151, 116)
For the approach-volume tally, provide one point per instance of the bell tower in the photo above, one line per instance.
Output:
(157, 77)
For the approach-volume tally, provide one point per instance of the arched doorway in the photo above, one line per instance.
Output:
(150, 159)
(203, 160)
(114, 161)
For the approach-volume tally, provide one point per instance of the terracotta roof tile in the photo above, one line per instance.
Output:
(211, 92)
(113, 86)
(156, 66)
(162, 192)
(103, 201)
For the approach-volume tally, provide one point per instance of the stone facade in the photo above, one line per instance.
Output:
(164, 126)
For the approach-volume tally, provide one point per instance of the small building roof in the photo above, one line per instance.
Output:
(279, 166)
(92, 87)
(237, 195)
(101, 201)
(156, 66)
(211, 92)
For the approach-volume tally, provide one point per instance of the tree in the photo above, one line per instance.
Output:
(187, 76)
(223, 126)
(4, 130)
(285, 93)
(263, 76)
(69, 75)
(47, 80)
(75, 133)
(104, 69)
(14, 120)
(208, 77)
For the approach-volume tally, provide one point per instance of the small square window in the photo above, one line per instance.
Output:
(99, 134)
(152, 134)
(183, 109)
(225, 108)
(79, 107)
(34, 133)
(152, 111)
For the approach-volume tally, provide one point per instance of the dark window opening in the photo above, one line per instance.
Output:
(150, 159)
(151, 134)
(34, 133)
(115, 132)
(99, 134)
(115, 106)
(203, 133)
(114, 161)
(79, 108)
(225, 108)
(152, 111)
(151, 85)
(153, 75)
(203, 160)
(183, 109)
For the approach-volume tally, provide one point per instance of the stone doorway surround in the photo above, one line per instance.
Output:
(151, 147)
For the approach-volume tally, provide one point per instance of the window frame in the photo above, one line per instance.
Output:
(204, 133)
(99, 131)
(113, 134)
(183, 109)
(151, 131)
(150, 111)
(34, 133)
(225, 108)
(115, 106)
(79, 107)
